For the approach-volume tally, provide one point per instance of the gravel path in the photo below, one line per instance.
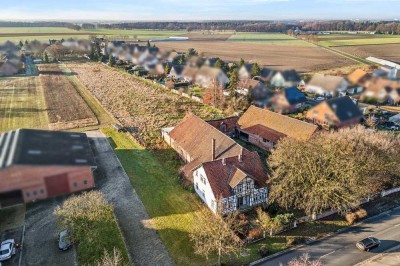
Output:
(143, 243)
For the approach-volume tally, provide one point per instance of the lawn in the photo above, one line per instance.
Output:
(267, 38)
(22, 104)
(155, 177)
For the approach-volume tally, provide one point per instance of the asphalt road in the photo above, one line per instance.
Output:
(340, 249)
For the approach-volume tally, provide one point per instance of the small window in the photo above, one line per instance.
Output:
(35, 193)
(75, 184)
(265, 140)
(85, 182)
(42, 191)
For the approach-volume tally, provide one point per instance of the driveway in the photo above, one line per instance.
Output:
(144, 244)
(40, 241)
(340, 249)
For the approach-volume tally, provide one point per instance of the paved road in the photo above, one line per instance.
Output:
(144, 245)
(340, 249)
(392, 258)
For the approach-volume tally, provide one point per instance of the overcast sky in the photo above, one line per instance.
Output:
(198, 10)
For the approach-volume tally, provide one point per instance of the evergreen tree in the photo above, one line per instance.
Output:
(148, 44)
(111, 61)
(45, 57)
(167, 69)
(219, 64)
(255, 70)
(233, 83)
(21, 44)
(26, 42)
(241, 63)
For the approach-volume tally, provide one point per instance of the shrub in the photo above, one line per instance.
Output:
(254, 234)
(263, 251)
(292, 240)
(359, 214)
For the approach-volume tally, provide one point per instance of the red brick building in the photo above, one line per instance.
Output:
(37, 164)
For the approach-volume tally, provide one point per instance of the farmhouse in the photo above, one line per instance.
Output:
(382, 91)
(264, 128)
(226, 176)
(335, 113)
(288, 100)
(37, 164)
(327, 85)
(287, 78)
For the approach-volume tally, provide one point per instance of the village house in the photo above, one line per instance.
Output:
(208, 77)
(244, 73)
(335, 113)
(225, 125)
(358, 77)
(225, 176)
(189, 73)
(246, 85)
(265, 128)
(327, 85)
(37, 164)
(382, 91)
(286, 78)
(210, 62)
(176, 72)
(7, 68)
(288, 100)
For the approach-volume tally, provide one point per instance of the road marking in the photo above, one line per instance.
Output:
(327, 254)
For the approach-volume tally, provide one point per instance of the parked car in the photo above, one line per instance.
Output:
(368, 243)
(64, 241)
(395, 127)
(320, 99)
(7, 249)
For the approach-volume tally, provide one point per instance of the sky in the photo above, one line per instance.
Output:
(161, 10)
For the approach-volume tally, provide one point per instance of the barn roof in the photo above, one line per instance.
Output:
(42, 147)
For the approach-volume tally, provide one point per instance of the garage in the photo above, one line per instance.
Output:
(57, 185)
(11, 198)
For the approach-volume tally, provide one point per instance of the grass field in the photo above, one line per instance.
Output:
(22, 104)
(333, 40)
(66, 108)
(267, 38)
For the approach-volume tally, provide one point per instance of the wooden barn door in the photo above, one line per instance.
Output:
(57, 185)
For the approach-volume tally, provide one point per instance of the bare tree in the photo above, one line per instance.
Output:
(304, 260)
(114, 259)
(214, 234)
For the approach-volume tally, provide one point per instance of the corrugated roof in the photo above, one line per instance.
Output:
(280, 123)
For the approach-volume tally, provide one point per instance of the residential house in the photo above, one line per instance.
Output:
(286, 78)
(335, 113)
(265, 128)
(246, 85)
(381, 90)
(176, 72)
(38, 164)
(327, 85)
(211, 76)
(189, 73)
(7, 68)
(358, 77)
(225, 176)
(211, 61)
(225, 125)
(244, 73)
(288, 100)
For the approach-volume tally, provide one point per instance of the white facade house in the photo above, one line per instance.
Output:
(327, 85)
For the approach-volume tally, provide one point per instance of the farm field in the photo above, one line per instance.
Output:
(144, 107)
(335, 40)
(22, 104)
(389, 52)
(66, 108)
(280, 57)
(267, 38)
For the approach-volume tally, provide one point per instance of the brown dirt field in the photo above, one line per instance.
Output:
(66, 108)
(389, 52)
(279, 57)
(207, 37)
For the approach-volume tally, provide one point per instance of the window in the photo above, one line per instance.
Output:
(42, 191)
(75, 184)
(223, 128)
(85, 182)
(28, 194)
(196, 185)
(203, 180)
(239, 188)
(35, 193)
(265, 140)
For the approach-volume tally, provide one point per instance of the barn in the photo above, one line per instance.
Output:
(38, 164)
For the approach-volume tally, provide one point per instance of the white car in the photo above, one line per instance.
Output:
(7, 249)
(320, 99)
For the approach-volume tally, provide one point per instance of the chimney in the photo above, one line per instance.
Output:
(213, 150)
(240, 157)
(223, 161)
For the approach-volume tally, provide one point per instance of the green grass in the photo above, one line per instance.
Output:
(12, 217)
(30, 30)
(22, 104)
(267, 38)
(155, 177)
(370, 41)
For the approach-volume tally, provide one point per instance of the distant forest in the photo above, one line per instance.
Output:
(387, 27)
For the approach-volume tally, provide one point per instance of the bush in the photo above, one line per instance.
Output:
(263, 251)
(254, 234)
(292, 240)
(357, 215)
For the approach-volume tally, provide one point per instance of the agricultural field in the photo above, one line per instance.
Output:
(280, 57)
(140, 105)
(22, 104)
(345, 40)
(267, 38)
(66, 108)
(389, 52)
